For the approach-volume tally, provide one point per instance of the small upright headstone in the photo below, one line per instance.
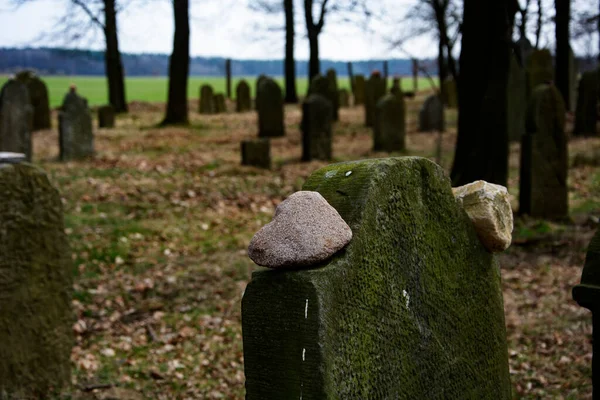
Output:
(219, 103)
(517, 100)
(257, 153)
(106, 116)
(333, 87)
(344, 98)
(322, 85)
(390, 124)
(411, 308)
(431, 115)
(206, 104)
(76, 139)
(38, 94)
(525, 48)
(259, 80)
(396, 89)
(359, 90)
(540, 69)
(243, 101)
(270, 109)
(375, 89)
(586, 111)
(316, 128)
(544, 160)
(16, 115)
(36, 282)
(450, 93)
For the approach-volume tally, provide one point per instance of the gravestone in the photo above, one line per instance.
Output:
(243, 102)
(206, 104)
(270, 109)
(412, 308)
(344, 98)
(450, 93)
(36, 318)
(333, 87)
(390, 124)
(525, 48)
(76, 140)
(540, 69)
(106, 116)
(375, 89)
(219, 103)
(431, 115)
(257, 153)
(586, 111)
(544, 160)
(322, 85)
(316, 128)
(16, 115)
(38, 94)
(397, 87)
(259, 80)
(517, 99)
(359, 90)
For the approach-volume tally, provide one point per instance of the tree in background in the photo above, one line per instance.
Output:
(563, 48)
(179, 65)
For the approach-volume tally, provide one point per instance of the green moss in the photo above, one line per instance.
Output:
(412, 308)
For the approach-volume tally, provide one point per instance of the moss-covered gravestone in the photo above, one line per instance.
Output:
(450, 93)
(323, 86)
(106, 116)
(38, 95)
(431, 115)
(35, 285)
(16, 115)
(390, 124)
(316, 128)
(359, 89)
(411, 309)
(517, 99)
(544, 158)
(206, 104)
(76, 139)
(333, 88)
(243, 102)
(586, 111)
(344, 98)
(257, 153)
(540, 69)
(270, 109)
(219, 103)
(375, 89)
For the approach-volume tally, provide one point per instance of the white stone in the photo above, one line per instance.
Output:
(306, 230)
(488, 207)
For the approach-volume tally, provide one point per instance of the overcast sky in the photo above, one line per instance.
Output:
(218, 28)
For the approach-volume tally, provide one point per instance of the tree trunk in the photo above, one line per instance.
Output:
(538, 29)
(440, 16)
(179, 64)
(563, 13)
(482, 142)
(314, 65)
(291, 95)
(112, 59)
(350, 76)
(598, 31)
(228, 77)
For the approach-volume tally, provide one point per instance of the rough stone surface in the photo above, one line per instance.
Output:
(586, 111)
(431, 115)
(257, 153)
(544, 157)
(390, 124)
(270, 109)
(243, 101)
(35, 285)
(76, 140)
(517, 99)
(333, 88)
(219, 102)
(38, 94)
(411, 309)
(359, 89)
(316, 128)
(488, 206)
(375, 89)
(206, 104)
(540, 69)
(344, 98)
(16, 115)
(305, 231)
(106, 116)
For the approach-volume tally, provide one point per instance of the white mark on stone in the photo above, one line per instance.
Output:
(406, 297)
(330, 174)
(306, 310)
(303, 354)
(348, 173)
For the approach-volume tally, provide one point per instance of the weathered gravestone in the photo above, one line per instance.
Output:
(76, 139)
(257, 153)
(540, 69)
(390, 124)
(316, 128)
(323, 86)
(206, 104)
(38, 95)
(16, 115)
(243, 102)
(543, 185)
(450, 93)
(270, 109)
(375, 89)
(359, 90)
(411, 309)
(517, 99)
(35, 284)
(106, 116)
(333, 87)
(219, 103)
(431, 115)
(344, 98)
(586, 111)
(259, 80)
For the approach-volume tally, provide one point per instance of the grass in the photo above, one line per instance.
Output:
(154, 89)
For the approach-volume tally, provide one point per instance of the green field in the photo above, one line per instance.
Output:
(154, 89)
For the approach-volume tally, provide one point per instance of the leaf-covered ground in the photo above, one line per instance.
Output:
(160, 220)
